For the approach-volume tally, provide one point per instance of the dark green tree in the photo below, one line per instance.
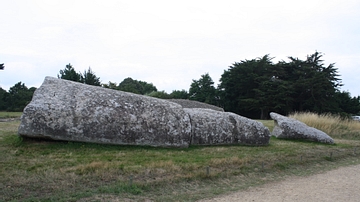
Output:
(347, 104)
(130, 85)
(203, 90)
(147, 87)
(135, 86)
(18, 97)
(69, 73)
(90, 78)
(3, 95)
(258, 86)
(237, 86)
(255, 87)
(314, 85)
(111, 85)
(273, 90)
(159, 94)
(179, 94)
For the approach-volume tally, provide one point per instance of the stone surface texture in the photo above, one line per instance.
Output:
(66, 110)
(210, 127)
(195, 104)
(71, 111)
(289, 128)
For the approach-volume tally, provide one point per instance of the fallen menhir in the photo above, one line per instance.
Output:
(71, 111)
(288, 128)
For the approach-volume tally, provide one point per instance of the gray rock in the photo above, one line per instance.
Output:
(210, 127)
(289, 128)
(71, 111)
(195, 104)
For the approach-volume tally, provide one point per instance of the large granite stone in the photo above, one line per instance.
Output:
(289, 128)
(210, 127)
(71, 111)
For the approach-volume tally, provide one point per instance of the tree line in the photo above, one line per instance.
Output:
(16, 98)
(251, 88)
(256, 87)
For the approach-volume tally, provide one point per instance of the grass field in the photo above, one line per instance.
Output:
(69, 171)
(9, 114)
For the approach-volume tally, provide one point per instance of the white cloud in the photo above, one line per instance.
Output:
(170, 43)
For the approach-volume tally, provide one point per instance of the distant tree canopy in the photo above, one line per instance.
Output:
(3, 103)
(159, 94)
(111, 85)
(69, 73)
(17, 98)
(88, 77)
(347, 104)
(179, 94)
(135, 86)
(203, 90)
(251, 88)
(256, 87)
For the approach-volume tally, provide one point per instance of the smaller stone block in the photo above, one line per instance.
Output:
(288, 128)
(210, 127)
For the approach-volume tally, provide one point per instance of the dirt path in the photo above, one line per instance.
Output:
(342, 184)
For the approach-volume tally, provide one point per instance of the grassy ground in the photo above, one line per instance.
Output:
(67, 171)
(4, 115)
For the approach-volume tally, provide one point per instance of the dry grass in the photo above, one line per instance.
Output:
(232, 161)
(92, 167)
(333, 125)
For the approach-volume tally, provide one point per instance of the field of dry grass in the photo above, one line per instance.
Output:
(33, 170)
(333, 125)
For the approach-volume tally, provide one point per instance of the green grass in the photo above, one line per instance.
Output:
(10, 114)
(268, 123)
(33, 170)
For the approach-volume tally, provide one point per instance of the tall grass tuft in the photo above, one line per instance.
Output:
(333, 125)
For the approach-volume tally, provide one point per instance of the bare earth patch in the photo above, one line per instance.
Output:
(342, 184)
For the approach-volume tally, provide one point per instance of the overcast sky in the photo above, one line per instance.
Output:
(170, 43)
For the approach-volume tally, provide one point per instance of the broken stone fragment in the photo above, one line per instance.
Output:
(210, 127)
(288, 128)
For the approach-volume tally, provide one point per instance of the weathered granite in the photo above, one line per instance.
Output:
(195, 104)
(210, 127)
(71, 111)
(289, 128)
